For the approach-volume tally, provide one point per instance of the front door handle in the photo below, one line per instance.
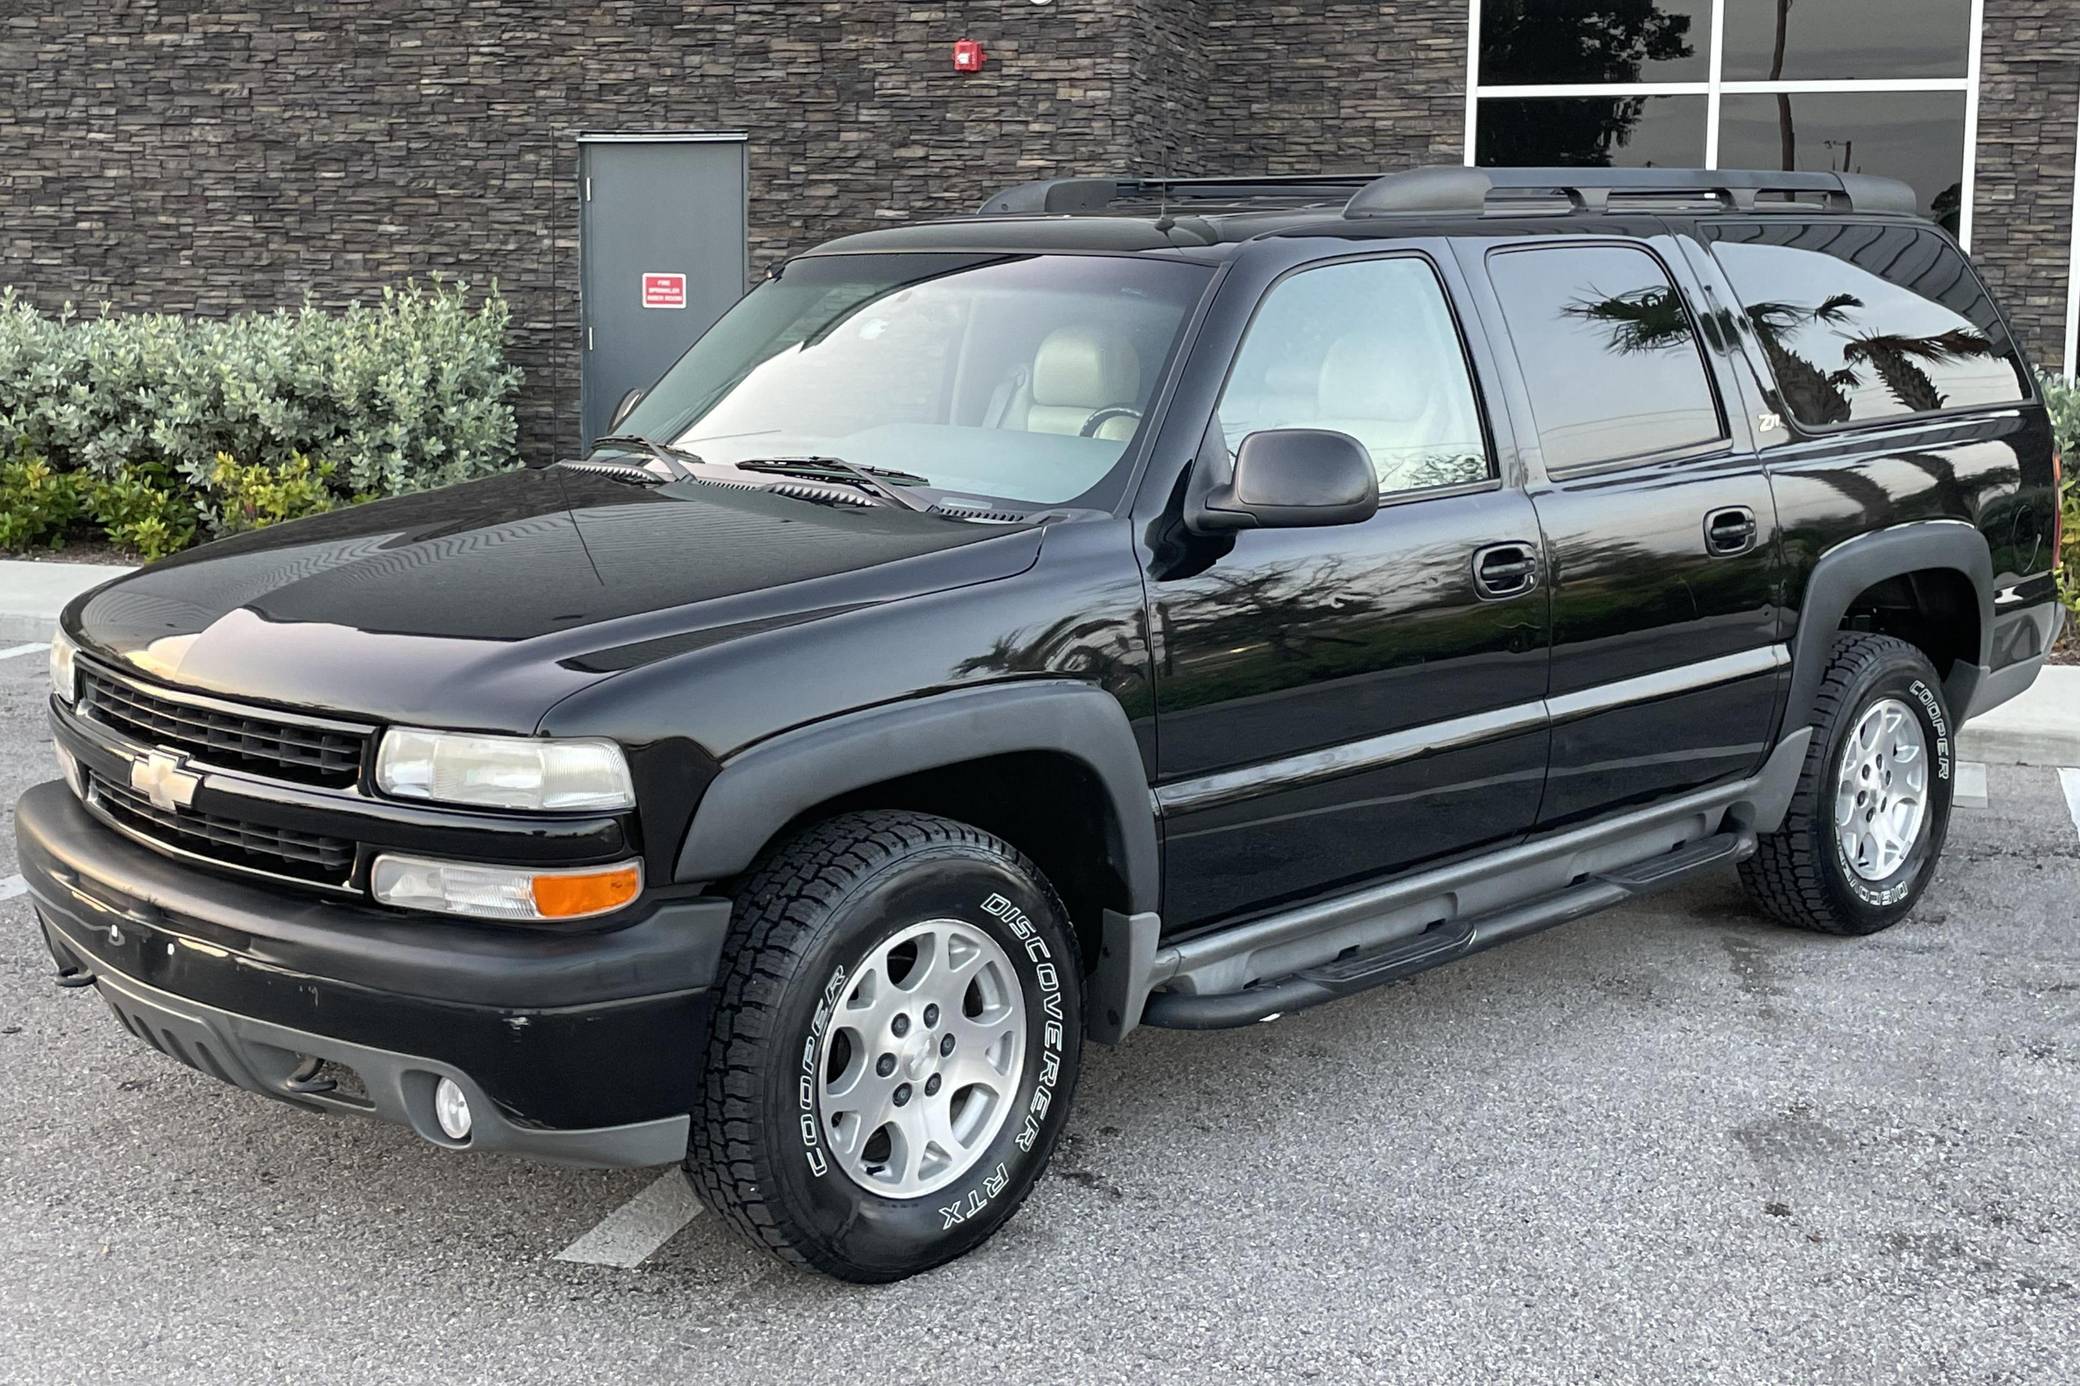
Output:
(1730, 530)
(1502, 571)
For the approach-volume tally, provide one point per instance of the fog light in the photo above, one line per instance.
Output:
(451, 1109)
(503, 892)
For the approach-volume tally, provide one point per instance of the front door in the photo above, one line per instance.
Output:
(1341, 703)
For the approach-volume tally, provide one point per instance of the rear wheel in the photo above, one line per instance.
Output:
(1872, 807)
(894, 1047)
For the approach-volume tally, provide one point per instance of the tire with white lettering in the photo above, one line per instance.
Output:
(896, 1040)
(1867, 822)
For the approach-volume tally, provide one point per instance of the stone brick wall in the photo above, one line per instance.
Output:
(2022, 201)
(1171, 90)
(1306, 86)
(205, 155)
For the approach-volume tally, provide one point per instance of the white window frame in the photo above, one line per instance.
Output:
(1715, 86)
(2067, 365)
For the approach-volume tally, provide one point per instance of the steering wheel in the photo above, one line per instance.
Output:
(1102, 417)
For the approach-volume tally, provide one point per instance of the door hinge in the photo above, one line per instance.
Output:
(588, 339)
(588, 189)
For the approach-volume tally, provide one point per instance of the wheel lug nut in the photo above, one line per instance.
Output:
(901, 1026)
(945, 1044)
(931, 1086)
(931, 1016)
(885, 1065)
(902, 1093)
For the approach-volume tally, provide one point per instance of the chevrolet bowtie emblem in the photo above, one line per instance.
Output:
(164, 780)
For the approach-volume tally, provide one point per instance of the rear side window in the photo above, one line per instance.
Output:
(1608, 351)
(1866, 322)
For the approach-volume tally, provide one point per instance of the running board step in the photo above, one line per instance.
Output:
(1441, 943)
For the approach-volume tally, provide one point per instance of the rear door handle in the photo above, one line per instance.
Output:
(1501, 571)
(1730, 530)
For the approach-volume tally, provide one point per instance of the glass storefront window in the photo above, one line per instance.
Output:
(1833, 40)
(1835, 85)
(1915, 136)
(1592, 131)
(1541, 41)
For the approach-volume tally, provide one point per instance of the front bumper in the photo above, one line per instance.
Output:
(571, 1045)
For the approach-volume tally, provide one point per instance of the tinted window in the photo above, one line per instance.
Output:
(1590, 131)
(1608, 351)
(1917, 136)
(1868, 322)
(1819, 40)
(1366, 348)
(1531, 41)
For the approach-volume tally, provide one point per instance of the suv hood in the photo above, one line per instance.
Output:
(482, 605)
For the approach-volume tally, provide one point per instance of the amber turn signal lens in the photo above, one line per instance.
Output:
(574, 896)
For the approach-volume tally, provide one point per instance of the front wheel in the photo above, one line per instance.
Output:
(895, 1043)
(1866, 825)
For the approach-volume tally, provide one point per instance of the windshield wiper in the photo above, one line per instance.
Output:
(881, 481)
(675, 460)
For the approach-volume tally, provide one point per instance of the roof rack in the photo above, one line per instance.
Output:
(1069, 195)
(1465, 190)
(1455, 190)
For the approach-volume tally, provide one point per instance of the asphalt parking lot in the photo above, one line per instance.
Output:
(1669, 1143)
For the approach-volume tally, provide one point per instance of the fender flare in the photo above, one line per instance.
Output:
(761, 788)
(1856, 565)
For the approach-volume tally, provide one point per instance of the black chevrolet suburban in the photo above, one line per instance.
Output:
(1169, 603)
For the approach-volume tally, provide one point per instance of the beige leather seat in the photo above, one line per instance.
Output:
(1078, 372)
(1383, 388)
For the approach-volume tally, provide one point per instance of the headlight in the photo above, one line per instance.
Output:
(64, 669)
(503, 892)
(514, 772)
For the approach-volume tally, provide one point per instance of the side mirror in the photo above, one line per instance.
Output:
(626, 407)
(1288, 478)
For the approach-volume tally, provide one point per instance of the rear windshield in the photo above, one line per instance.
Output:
(1863, 322)
(1011, 376)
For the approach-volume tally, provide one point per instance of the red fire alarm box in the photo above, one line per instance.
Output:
(967, 56)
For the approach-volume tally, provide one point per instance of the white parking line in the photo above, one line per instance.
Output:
(2070, 781)
(12, 650)
(11, 886)
(1970, 791)
(630, 1234)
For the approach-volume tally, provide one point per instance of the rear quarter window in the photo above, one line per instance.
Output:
(1866, 322)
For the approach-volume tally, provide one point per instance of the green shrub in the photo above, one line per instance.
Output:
(37, 505)
(2063, 399)
(158, 429)
(406, 393)
(147, 510)
(253, 496)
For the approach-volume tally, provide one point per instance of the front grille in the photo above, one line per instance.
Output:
(253, 846)
(222, 735)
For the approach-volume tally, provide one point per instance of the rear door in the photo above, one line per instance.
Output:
(1658, 521)
(1341, 703)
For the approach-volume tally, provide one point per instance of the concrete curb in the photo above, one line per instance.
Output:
(2042, 727)
(32, 594)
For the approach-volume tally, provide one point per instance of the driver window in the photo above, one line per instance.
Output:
(1367, 348)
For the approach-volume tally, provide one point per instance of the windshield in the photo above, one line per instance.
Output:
(1013, 377)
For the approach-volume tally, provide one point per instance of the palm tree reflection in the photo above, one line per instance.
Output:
(1654, 319)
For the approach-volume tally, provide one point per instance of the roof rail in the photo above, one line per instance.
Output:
(1068, 195)
(1453, 189)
